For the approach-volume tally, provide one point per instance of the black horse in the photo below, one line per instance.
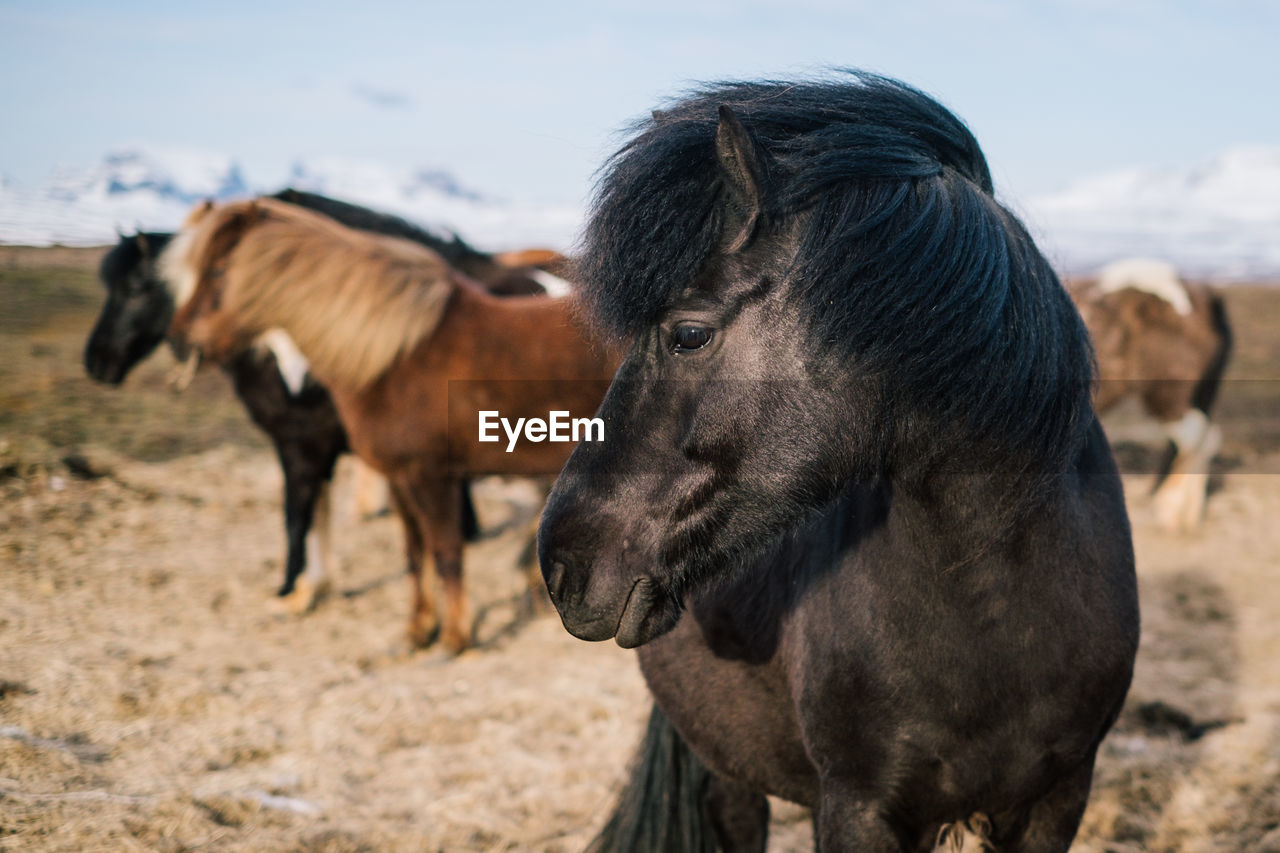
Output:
(301, 421)
(853, 503)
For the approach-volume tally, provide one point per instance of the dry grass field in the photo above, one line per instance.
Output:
(148, 701)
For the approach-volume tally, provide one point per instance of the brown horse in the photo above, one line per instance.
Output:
(412, 352)
(1165, 342)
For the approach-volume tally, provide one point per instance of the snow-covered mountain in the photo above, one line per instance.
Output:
(1219, 219)
(181, 176)
(153, 189)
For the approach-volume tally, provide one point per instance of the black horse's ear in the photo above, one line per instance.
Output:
(745, 167)
(144, 245)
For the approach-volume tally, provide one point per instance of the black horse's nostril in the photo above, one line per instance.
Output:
(555, 579)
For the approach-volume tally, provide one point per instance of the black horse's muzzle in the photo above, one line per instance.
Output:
(598, 600)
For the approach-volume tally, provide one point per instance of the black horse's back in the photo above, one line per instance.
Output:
(456, 252)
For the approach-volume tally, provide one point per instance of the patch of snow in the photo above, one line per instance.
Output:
(1219, 219)
(152, 189)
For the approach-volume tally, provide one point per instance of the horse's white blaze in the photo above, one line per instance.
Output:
(1159, 278)
(554, 285)
(290, 361)
(174, 266)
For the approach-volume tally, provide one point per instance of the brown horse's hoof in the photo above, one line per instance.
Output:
(455, 641)
(421, 635)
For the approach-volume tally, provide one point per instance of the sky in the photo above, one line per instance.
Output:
(524, 100)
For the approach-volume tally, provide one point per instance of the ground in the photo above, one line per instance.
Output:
(148, 701)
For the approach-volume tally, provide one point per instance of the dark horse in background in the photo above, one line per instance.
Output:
(301, 421)
(854, 506)
(1165, 342)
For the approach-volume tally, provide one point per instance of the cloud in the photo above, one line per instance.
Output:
(383, 99)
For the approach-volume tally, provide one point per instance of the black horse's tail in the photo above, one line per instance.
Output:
(1206, 390)
(664, 806)
(1205, 393)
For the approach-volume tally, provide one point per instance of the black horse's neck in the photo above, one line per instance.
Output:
(938, 529)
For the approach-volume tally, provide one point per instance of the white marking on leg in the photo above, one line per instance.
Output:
(315, 556)
(1159, 278)
(1180, 500)
(1189, 432)
(314, 581)
(320, 539)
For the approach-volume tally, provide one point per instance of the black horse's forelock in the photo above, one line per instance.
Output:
(906, 265)
(123, 258)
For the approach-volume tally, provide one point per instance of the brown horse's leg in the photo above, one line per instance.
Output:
(423, 623)
(370, 491)
(438, 503)
(457, 631)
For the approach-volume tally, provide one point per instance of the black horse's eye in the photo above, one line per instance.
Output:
(689, 338)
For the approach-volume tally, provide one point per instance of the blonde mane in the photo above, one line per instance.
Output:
(353, 302)
(172, 266)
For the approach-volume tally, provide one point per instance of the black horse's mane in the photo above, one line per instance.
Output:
(456, 252)
(129, 251)
(907, 267)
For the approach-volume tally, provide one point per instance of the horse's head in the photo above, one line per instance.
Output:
(137, 312)
(722, 427)
(820, 290)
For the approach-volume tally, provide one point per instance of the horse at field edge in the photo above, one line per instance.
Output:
(855, 509)
(1165, 342)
